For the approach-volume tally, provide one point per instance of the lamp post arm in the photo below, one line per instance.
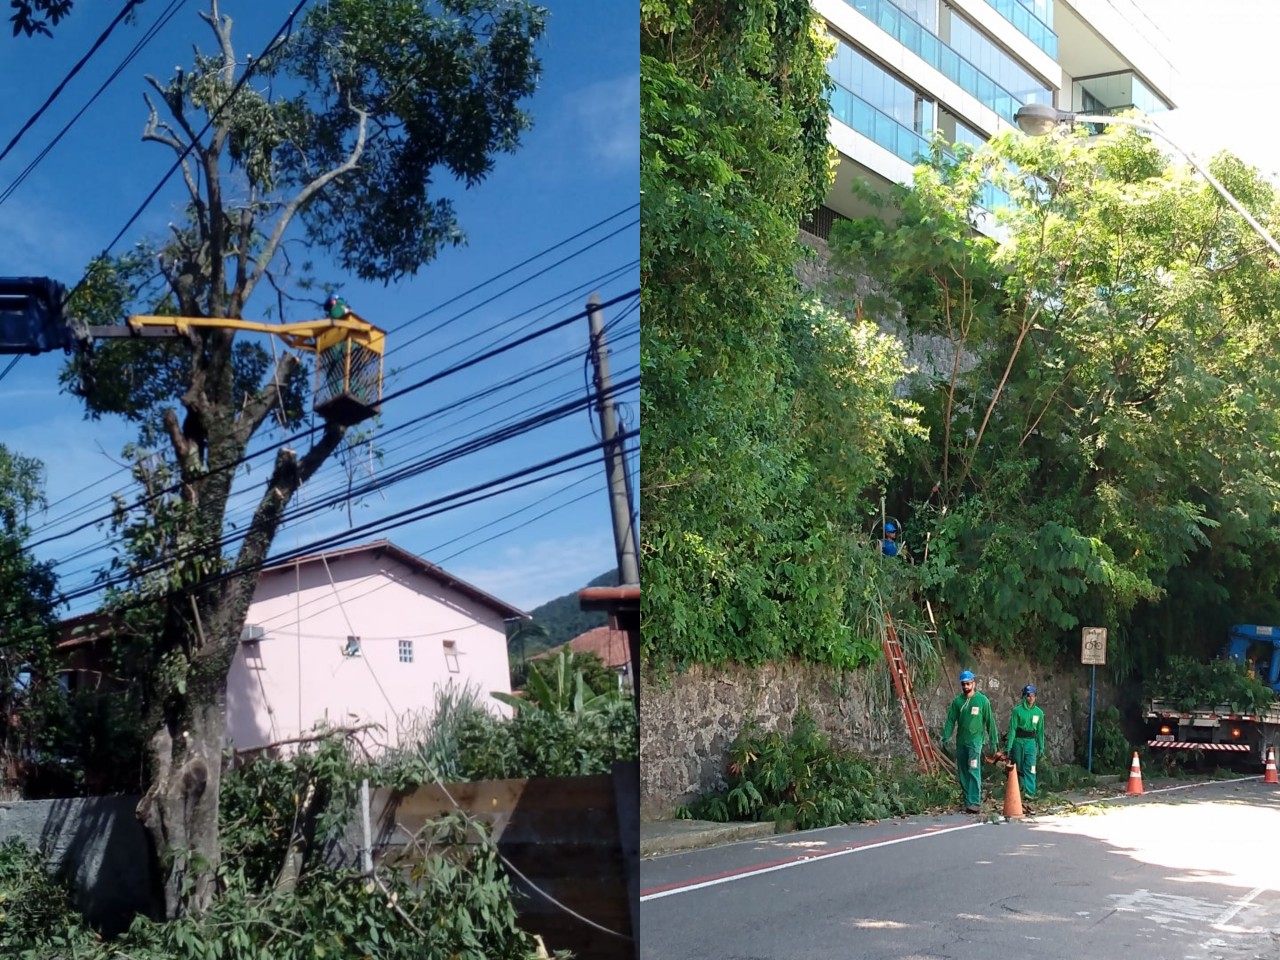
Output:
(1150, 127)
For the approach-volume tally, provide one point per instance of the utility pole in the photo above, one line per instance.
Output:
(614, 464)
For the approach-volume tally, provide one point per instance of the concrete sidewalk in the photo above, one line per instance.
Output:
(671, 836)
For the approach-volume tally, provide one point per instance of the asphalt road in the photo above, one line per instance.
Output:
(1188, 874)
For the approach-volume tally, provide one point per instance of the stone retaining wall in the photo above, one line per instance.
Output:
(688, 721)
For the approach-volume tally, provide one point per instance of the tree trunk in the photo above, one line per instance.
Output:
(180, 810)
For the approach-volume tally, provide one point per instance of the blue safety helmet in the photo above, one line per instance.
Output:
(966, 676)
(890, 527)
(1029, 688)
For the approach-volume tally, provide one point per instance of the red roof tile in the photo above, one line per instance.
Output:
(611, 646)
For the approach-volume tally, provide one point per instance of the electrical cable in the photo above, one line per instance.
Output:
(80, 511)
(348, 493)
(468, 496)
(522, 263)
(221, 541)
(253, 454)
(235, 513)
(166, 15)
(433, 378)
(79, 65)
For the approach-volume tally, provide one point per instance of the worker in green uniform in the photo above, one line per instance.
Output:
(971, 717)
(1026, 739)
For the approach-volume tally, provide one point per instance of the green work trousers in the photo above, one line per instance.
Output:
(969, 772)
(1024, 755)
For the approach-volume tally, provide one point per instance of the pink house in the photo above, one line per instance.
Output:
(365, 634)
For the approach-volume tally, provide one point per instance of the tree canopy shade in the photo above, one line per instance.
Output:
(385, 97)
(765, 417)
(1104, 439)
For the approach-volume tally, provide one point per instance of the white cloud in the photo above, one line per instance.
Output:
(608, 116)
(531, 575)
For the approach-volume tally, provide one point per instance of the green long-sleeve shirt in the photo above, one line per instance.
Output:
(973, 719)
(1025, 717)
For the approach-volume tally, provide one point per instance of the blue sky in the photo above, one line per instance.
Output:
(578, 166)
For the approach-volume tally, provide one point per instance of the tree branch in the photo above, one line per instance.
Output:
(256, 410)
(305, 194)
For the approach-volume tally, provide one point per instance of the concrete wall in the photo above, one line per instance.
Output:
(97, 844)
(689, 720)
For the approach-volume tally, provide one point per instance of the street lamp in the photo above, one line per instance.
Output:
(1039, 119)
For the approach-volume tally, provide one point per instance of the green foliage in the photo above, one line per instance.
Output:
(558, 685)
(30, 695)
(1062, 777)
(1112, 752)
(38, 16)
(452, 900)
(543, 743)
(430, 749)
(461, 740)
(35, 909)
(1188, 684)
(1103, 448)
(442, 85)
(765, 417)
(800, 777)
(597, 679)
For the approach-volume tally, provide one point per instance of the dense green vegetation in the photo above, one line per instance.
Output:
(765, 417)
(1095, 442)
(282, 899)
(1189, 684)
(1105, 451)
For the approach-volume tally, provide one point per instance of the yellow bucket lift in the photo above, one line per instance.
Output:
(348, 355)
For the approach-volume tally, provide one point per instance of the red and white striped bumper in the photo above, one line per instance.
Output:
(1237, 747)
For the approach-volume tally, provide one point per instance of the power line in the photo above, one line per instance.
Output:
(441, 560)
(166, 15)
(522, 263)
(547, 269)
(469, 496)
(477, 493)
(222, 540)
(102, 38)
(427, 381)
(348, 493)
(604, 278)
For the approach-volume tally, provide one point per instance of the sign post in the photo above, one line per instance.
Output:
(1093, 651)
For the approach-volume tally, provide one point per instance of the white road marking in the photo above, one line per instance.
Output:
(689, 888)
(1239, 905)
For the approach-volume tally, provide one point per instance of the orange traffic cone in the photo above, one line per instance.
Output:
(1135, 776)
(1012, 795)
(1270, 776)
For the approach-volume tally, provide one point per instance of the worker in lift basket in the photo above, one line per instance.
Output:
(971, 717)
(1026, 739)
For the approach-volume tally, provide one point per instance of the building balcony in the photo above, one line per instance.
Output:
(902, 142)
(1028, 24)
(937, 54)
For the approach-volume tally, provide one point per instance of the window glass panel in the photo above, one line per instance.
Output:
(974, 46)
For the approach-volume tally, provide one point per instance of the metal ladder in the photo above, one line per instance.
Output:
(931, 758)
